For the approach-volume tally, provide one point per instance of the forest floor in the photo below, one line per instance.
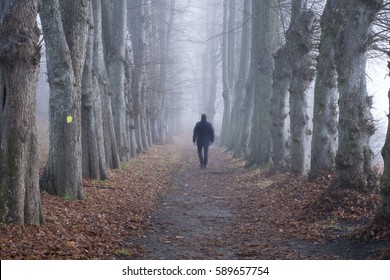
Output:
(161, 205)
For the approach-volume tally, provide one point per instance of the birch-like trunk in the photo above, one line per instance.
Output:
(356, 124)
(300, 43)
(280, 124)
(325, 117)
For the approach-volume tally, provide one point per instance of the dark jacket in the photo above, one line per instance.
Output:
(203, 133)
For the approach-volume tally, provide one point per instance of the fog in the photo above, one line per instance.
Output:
(378, 84)
(190, 37)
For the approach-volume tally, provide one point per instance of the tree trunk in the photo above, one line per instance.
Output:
(143, 119)
(162, 31)
(228, 39)
(213, 80)
(265, 41)
(325, 117)
(94, 160)
(356, 125)
(385, 179)
(115, 61)
(135, 25)
(205, 77)
(65, 30)
(164, 27)
(300, 42)
(130, 114)
(104, 90)
(151, 70)
(280, 129)
(211, 60)
(239, 91)
(19, 66)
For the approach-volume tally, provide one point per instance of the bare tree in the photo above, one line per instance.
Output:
(65, 27)
(280, 125)
(114, 16)
(385, 179)
(210, 62)
(228, 44)
(94, 160)
(238, 110)
(300, 43)
(160, 100)
(19, 66)
(382, 37)
(135, 24)
(104, 90)
(265, 40)
(325, 117)
(356, 125)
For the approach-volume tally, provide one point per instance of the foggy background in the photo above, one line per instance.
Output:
(190, 38)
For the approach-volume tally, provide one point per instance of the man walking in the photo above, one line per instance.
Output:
(204, 137)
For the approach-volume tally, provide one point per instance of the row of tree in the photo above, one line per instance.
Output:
(108, 64)
(267, 92)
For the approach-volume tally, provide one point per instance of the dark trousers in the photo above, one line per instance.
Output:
(203, 158)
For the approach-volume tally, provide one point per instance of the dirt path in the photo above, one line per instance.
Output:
(227, 212)
(161, 205)
(193, 220)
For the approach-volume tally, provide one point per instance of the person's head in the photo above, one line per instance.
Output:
(203, 117)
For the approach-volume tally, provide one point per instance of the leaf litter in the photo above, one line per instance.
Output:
(161, 205)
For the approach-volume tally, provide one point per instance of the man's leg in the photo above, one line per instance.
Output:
(206, 156)
(200, 156)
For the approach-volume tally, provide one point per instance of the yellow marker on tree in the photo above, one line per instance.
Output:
(69, 119)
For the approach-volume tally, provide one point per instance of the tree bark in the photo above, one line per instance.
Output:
(65, 30)
(115, 61)
(385, 179)
(104, 90)
(130, 114)
(325, 117)
(239, 91)
(211, 57)
(228, 39)
(300, 42)
(151, 70)
(94, 160)
(135, 25)
(162, 31)
(164, 28)
(265, 41)
(356, 125)
(19, 66)
(280, 129)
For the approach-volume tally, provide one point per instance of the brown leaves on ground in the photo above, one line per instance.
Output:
(279, 210)
(113, 213)
(277, 215)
